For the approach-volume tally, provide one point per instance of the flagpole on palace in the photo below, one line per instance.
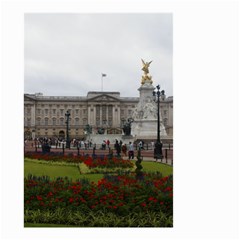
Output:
(103, 75)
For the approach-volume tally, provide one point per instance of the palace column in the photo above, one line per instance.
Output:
(101, 115)
(91, 115)
(107, 115)
(94, 115)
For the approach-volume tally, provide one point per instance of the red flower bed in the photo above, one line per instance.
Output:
(98, 162)
(108, 163)
(118, 194)
(55, 157)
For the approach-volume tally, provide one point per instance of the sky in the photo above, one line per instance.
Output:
(66, 54)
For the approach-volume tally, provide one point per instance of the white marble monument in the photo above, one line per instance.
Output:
(144, 115)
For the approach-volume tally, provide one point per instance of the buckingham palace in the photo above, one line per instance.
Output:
(44, 116)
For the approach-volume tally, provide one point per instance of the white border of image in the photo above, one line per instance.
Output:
(205, 64)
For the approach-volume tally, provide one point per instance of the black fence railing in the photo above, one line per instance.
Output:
(147, 152)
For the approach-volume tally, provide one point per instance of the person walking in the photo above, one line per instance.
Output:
(108, 143)
(124, 149)
(118, 148)
(130, 151)
(140, 145)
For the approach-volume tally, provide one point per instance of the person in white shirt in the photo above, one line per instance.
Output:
(131, 151)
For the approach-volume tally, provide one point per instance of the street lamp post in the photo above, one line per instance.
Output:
(67, 130)
(158, 145)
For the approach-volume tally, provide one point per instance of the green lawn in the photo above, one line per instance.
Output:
(72, 172)
(160, 167)
(53, 171)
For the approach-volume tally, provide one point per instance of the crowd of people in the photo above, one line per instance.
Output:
(122, 149)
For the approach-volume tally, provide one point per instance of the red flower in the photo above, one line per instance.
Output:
(82, 200)
(71, 200)
(39, 198)
(143, 204)
(168, 189)
(50, 194)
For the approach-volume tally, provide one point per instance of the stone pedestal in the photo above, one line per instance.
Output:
(127, 138)
(145, 115)
(147, 129)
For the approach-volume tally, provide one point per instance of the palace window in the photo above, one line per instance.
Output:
(98, 122)
(28, 122)
(46, 121)
(84, 121)
(38, 121)
(54, 121)
(110, 110)
(61, 121)
(46, 111)
(76, 121)
(104, 112)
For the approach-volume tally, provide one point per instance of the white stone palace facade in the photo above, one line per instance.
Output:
(44, 116)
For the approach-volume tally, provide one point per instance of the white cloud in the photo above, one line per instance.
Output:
(65, 54)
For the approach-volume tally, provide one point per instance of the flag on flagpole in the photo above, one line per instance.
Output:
(104, 75)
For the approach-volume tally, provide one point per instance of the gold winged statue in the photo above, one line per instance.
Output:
(146, 77)
(146, 66)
